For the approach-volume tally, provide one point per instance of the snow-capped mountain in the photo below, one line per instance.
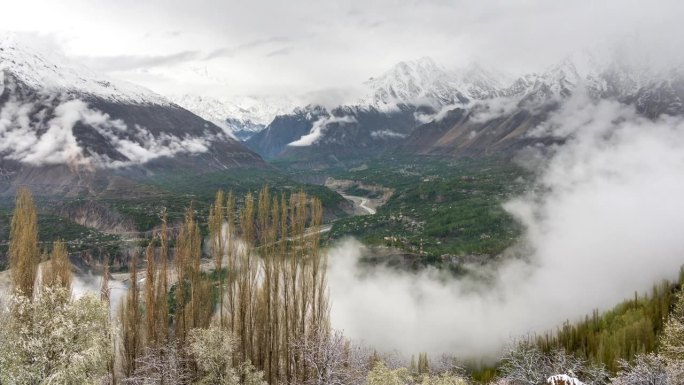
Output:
(421, 81)
(47, 69)
(395, 103)
(63, 126)
(480, 82)
(420, 107)
(502, 125)
(241, 116)
(424, 82)
(557, 82)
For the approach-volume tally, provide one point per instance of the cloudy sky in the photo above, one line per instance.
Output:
(223, 48)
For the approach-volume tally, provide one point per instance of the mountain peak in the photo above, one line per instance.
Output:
(481, 82)
(423, 68)
(240, 116)
(42, 66)
(420, 81)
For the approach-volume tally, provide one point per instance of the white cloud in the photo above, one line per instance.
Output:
(361, 40)
(489, 109)
(425, 118)
(603, 222)
(21, 140)
(30, 142)
(318, 127)
(387, 134)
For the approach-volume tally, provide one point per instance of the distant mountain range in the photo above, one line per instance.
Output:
(419, 108)
(241, 117)
(66, 130)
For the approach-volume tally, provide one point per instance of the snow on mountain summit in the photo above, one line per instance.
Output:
(43, 67)
(241, 116)
(58, 113)
(425, 82)
(410, 82)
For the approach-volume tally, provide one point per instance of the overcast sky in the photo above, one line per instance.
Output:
(293, 46)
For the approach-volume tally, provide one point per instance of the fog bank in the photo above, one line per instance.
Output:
(603, 220)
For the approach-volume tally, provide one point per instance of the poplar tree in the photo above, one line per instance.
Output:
(150, 295)
(131, 320)
(288, 303)
(193, 291)
(58, 271)
(162, 290)
(217, 245)
(24, 255)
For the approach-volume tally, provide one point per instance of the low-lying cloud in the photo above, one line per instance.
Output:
(489, 109)
(319, 127)
(603, 220)
(29, 136)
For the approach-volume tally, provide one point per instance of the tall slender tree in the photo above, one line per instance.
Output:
(151, 298)
(216, 219)
(131, 321)
(162, 290)
(58, 270)
(24, 255)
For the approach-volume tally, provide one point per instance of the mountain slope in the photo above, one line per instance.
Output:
(69, 131)
(502, 125)
(416, 82)
(285, 129)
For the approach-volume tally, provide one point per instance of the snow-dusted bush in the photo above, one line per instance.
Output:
(212, 350)
(161, 365)
(382, 375)
(524, 363)
(54, 340)
(332, 359)
(647, 369)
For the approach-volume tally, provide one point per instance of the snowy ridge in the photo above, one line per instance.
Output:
(238, 115)
(413, 82)
(56, 112)
(423, 82)
(480, 82)
(46, 69)
(260, 110)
